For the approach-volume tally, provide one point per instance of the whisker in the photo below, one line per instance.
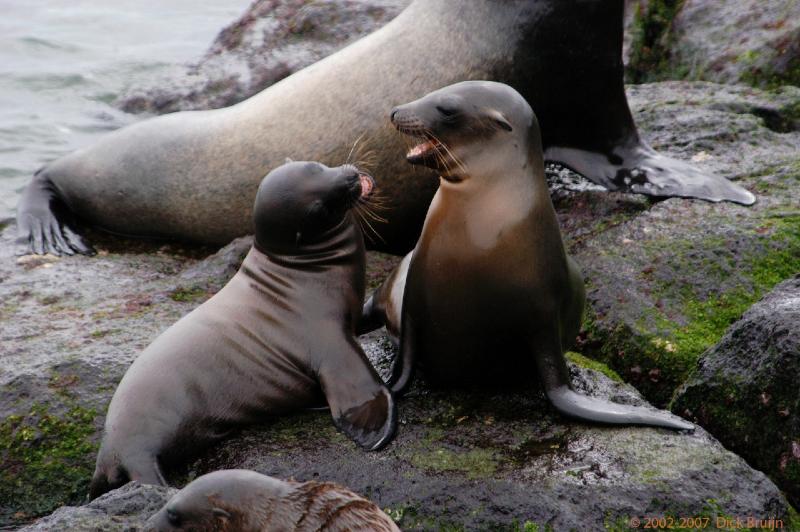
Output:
(354, 147)
(369, 225)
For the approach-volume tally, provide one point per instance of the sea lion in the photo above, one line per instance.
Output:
(277, 338)
(491, 297)
(239, 500)
(190, 175)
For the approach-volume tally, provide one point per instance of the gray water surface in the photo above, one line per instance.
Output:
(63, 61)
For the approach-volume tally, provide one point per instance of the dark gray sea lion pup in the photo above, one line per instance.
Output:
(189, 175)
(238, 500)
(490, 297)
(277, 338)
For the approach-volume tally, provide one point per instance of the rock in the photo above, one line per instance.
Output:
(485, 460)
(747, 41)
(271, 40)
(121, 510)
(664, 281)
(745, 391)
(72, 325)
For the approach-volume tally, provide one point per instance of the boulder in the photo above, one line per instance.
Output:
(745, 389)
(666, 279)
(271, 40)
(746, 41)
(121, 510)
(482, 460)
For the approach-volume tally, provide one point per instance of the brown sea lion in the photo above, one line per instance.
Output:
(190, 175)
(277, 338)
(238, 500)
(490, 297)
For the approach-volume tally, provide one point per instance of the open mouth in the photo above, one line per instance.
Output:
(367, 184)
(427, 150)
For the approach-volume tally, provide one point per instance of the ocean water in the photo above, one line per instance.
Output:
(62, 63)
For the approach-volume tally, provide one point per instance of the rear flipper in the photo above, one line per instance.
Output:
(638, 168)
(573, 404)
(554, 374)
(109, 477)
(44, 223)
(361, 405)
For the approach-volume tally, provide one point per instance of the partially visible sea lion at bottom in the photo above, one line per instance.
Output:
(490, 297)
(238, 500)
(278, 338)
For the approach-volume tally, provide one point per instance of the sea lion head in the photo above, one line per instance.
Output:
(223, 500)
(469, 129)
(301, 204)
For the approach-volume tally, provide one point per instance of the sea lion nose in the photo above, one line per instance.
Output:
(394, 113)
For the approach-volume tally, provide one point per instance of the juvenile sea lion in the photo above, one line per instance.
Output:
(491, 297)
(277, 338)
(190, 175)
(238, 500)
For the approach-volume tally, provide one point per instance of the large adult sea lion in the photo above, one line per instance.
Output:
(238, 500)
(277, 338)
(190, 175)
(490, 296)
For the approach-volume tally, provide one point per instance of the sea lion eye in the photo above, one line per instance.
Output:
(173, 518)
(446, 111)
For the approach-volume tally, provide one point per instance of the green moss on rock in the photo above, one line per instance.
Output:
(652, 41)
(580, 360)
(187, 295)
(46, 460)
(658, 351)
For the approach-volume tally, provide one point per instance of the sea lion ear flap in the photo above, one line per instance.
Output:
(361, 405)
(221, 514)
(499, 119)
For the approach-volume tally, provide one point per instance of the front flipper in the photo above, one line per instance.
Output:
(361, 405)
(638, 168)
(143, 468)
(44, 222)
(554, 374)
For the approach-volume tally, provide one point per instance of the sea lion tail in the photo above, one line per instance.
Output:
(44, 222)
(573, 404)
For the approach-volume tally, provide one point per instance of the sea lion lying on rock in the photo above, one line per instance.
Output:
(190, 175)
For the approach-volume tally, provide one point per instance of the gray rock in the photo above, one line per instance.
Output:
(745, 389)
(121, 510)
(495, 460)
(484, 460)
(665, 281)
(744, 41)
(271, 40)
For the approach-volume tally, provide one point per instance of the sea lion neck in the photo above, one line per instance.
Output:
(335, 247)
